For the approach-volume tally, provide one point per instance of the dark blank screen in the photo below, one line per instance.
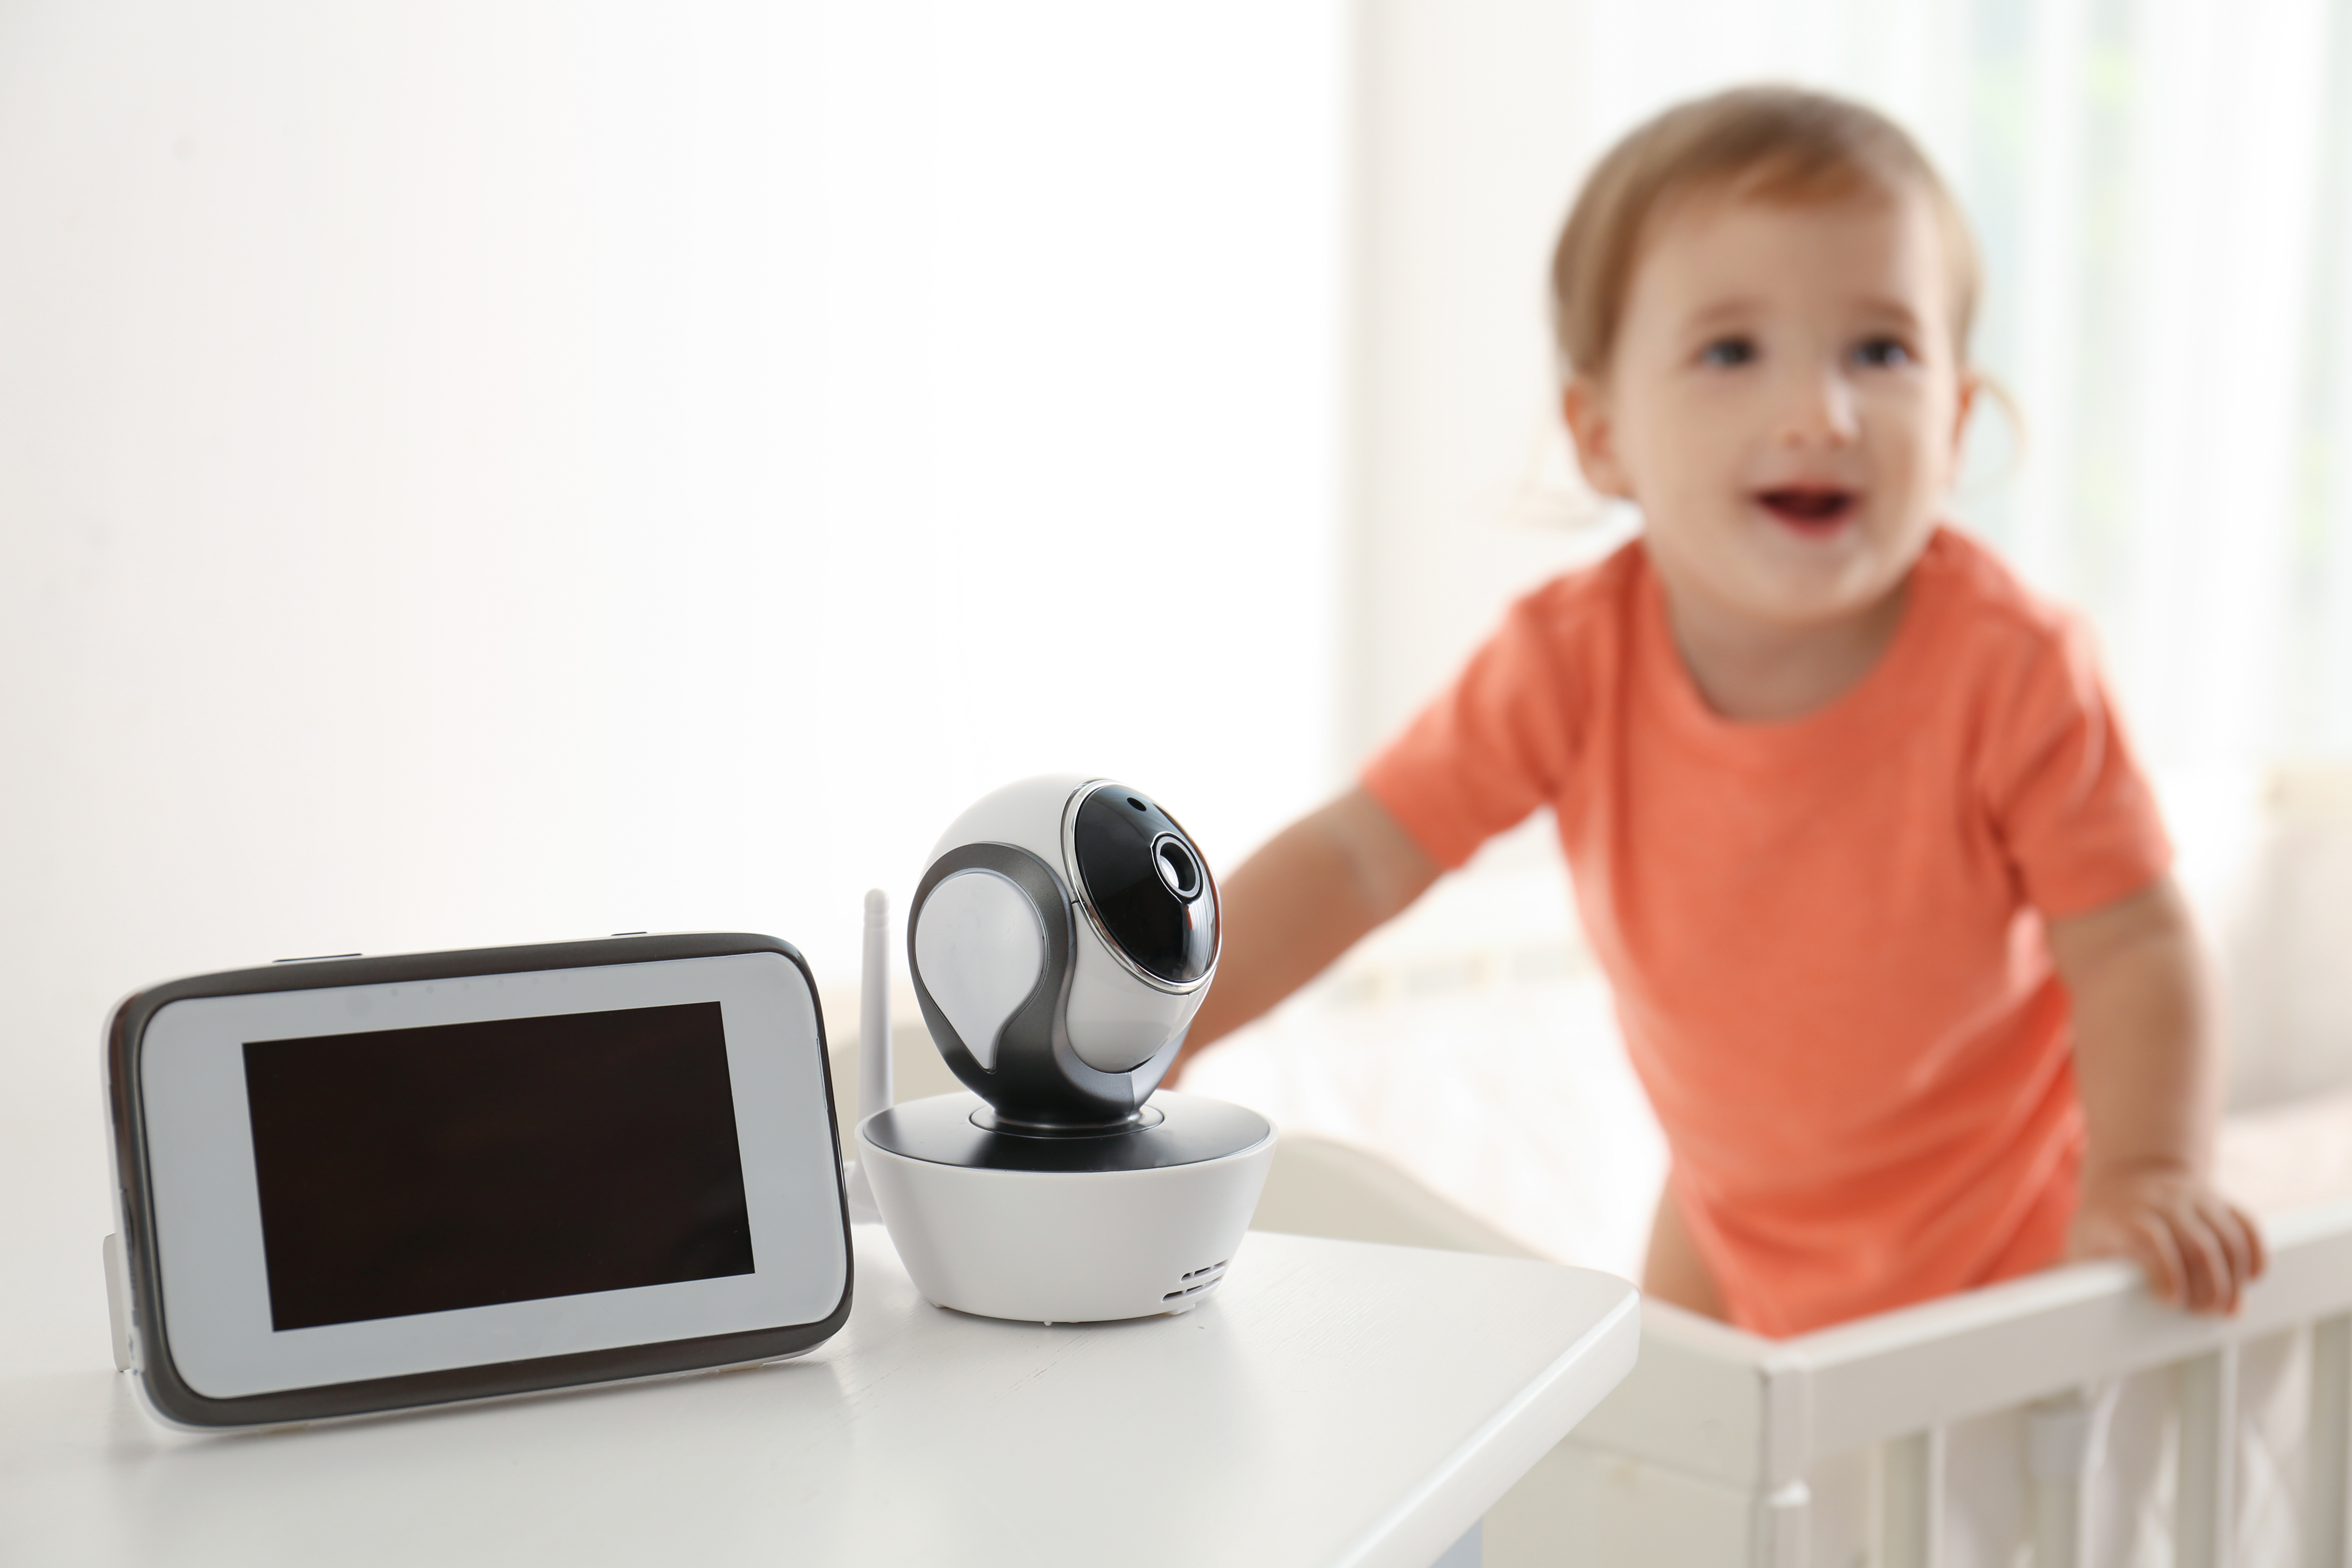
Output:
(466, 1164)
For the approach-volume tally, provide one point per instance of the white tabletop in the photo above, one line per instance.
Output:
(1336, 1403)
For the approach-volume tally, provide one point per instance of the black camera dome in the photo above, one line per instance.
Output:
(1147, 884)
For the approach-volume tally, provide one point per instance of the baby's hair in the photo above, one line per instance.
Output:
(1772, 144)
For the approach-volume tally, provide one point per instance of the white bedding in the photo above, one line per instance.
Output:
(2288, 1156)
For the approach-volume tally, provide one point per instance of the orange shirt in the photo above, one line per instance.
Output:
(1824, 936)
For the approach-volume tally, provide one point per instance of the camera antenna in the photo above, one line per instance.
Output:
(874, 1076)
(874, 1086)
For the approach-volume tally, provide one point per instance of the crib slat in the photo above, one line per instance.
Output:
(2065, 1434)
(1912, 1505)
(2327, 1482)
(1783, 1537)
(2205, 1506)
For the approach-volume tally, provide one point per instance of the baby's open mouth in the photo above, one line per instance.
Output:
(1809, 507)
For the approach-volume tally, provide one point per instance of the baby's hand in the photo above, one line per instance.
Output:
(2199, 1250)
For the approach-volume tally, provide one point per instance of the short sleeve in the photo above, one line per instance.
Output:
(1495, 745)
(2067, 795)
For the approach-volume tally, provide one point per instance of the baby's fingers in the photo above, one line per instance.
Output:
(2212, 1287)
(2258, 1253)
(2239, 1241)
(2210, 1268)
(2152, 1247)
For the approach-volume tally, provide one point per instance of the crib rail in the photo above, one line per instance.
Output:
(1718, 1430)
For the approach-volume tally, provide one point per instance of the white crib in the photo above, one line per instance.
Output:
(2064, 1418)
(1720, 1447)
(2061, 1419)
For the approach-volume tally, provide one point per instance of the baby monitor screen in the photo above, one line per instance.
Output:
(427, 1170)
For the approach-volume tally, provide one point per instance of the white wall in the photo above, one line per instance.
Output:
(516, 471)
(1471, 136)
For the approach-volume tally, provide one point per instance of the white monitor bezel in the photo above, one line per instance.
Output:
(210, 1280)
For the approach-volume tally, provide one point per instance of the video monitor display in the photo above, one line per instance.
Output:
(427, 1170)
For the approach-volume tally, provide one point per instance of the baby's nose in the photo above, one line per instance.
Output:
(1817, 409)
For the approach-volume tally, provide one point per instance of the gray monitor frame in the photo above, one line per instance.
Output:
(174, 1402)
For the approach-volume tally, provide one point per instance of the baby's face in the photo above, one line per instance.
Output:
(1784, 404)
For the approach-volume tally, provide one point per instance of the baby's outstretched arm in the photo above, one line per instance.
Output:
(1301, 901)
(2150, 1068)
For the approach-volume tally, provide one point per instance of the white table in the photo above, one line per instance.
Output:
(1336, 1403)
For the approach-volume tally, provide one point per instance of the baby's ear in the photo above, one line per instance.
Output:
(1584, 403)
(1972, 387)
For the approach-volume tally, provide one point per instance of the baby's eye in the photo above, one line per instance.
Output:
(1728, 352)
(1883, 353)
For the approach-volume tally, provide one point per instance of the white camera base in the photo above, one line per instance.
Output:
(1066, 1245)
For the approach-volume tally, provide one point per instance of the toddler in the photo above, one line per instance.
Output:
(1880, 888)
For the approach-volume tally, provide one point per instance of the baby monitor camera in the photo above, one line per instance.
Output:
(1058, 985)
(1060, 940)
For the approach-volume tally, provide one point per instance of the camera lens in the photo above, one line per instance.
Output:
(1176, 868)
